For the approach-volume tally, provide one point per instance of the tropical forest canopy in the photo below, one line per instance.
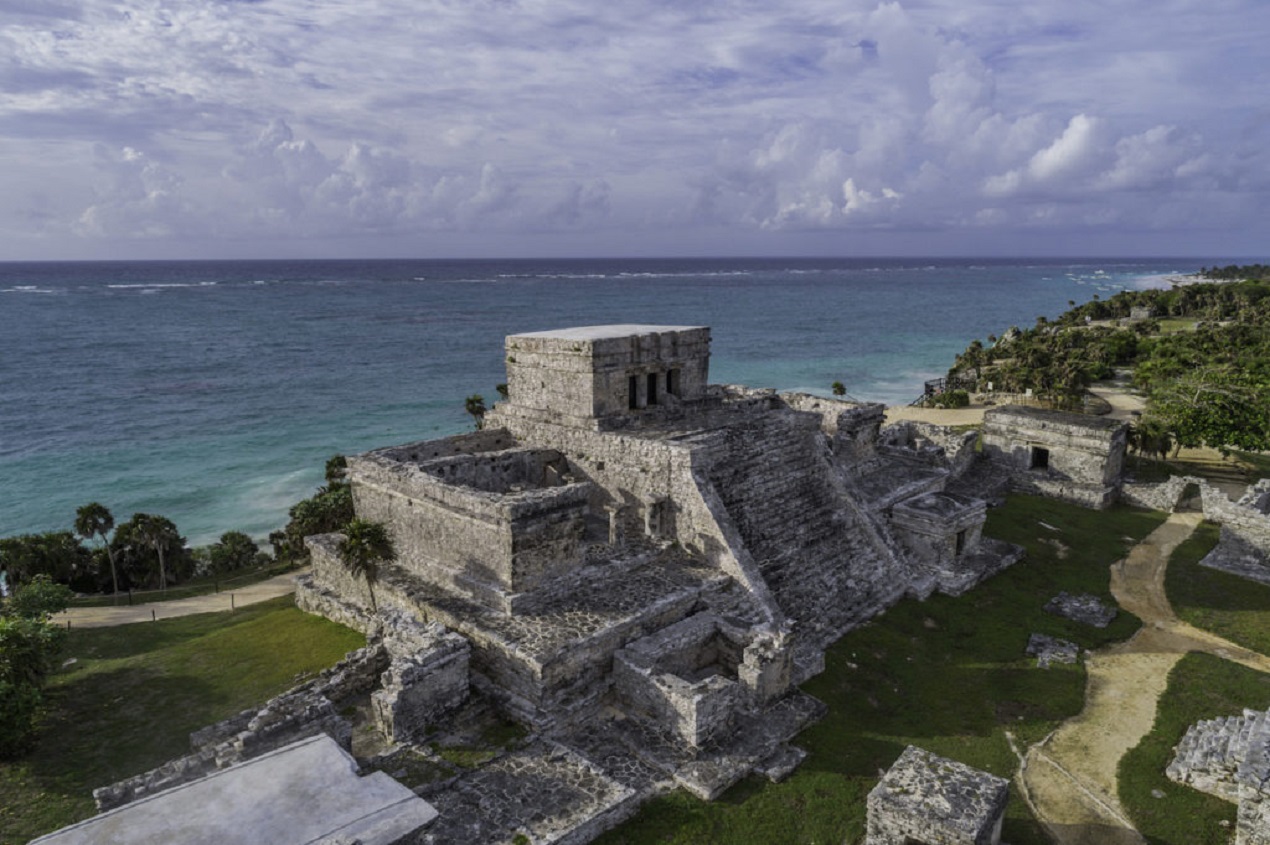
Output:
(1201, 353)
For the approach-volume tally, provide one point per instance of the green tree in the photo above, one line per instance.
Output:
(838, 388)
(475, 405)
(234, 550)
(39, 599)
(336, 469)
(147, 539)
(95, 520)
(1215, 407)
(57, 554)
(365, 546)
(29, 647)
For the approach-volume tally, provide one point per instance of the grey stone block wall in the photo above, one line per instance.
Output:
(427, 677)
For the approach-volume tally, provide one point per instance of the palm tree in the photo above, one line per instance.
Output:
(95, 520)
(158, 533)
(475, 405)
(365, 546)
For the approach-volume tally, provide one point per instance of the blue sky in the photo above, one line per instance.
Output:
(325, 128)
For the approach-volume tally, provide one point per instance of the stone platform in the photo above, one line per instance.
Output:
(303, 793)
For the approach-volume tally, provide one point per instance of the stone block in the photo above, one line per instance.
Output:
(928, 799)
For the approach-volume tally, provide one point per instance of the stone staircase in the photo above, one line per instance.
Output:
(1218, 756)
(772, 475)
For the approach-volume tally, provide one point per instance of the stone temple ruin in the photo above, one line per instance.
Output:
(636, 566)
(641, 567)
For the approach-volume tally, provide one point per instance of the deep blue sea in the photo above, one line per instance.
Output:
(213, 392)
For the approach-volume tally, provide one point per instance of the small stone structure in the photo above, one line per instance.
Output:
(1229, 757)
(942, 531)
(925, 799)
(1049, 650)
(1075, 457)
(303, 793)
(1081, 607)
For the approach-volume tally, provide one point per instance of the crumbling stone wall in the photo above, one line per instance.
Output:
(427, 677)
(942, 532)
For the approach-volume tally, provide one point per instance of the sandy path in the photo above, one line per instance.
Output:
(101, 617)
(1070, 777)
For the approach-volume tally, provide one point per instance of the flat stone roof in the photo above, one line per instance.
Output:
(1047, 415)
(609, 332)
(299, 794)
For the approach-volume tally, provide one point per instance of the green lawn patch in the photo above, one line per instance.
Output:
(947, 674)
(1229, 606)
(1201, 686)
(136, 692)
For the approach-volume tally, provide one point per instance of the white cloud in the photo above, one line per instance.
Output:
(390, 118)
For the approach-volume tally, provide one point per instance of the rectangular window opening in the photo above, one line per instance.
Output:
(652, 388)
(672, 382)
(632, 386)
(1040, 458)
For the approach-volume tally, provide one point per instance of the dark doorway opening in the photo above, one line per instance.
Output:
(652, 388)
(632, 387)
(1040, 458)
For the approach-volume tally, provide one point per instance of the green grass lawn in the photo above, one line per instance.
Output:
(1201, 686)
(1229, 606)
(946, 674)
(136, 692)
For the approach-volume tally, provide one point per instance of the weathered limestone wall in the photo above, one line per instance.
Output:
(587, 373)
(1074, 457)
(481, 542)
(657, 488)
(426, 678)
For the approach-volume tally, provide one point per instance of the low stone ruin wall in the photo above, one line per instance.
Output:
(1244, 548)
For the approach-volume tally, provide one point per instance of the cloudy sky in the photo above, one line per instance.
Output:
(283, 128)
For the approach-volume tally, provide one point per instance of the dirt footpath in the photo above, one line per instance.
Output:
(102, 617)
(1070, 777)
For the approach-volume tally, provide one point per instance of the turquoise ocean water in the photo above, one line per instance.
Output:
(212, 392)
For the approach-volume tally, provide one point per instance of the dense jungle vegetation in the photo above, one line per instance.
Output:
(1200, 352)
